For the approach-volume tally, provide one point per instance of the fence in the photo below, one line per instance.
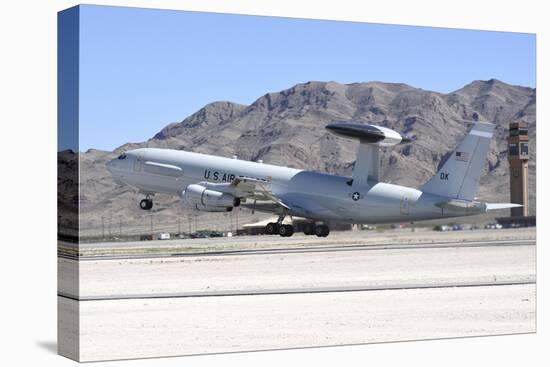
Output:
(116, 227)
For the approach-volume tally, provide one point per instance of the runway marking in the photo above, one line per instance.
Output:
(283, 291)
(313, 249)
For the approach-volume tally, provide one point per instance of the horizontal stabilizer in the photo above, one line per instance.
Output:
(461, 207)
(496, 206)
(468, 207)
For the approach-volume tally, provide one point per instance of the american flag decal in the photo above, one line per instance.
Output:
(462, 156)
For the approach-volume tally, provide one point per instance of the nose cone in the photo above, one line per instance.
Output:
(110, 165)
(406, 139)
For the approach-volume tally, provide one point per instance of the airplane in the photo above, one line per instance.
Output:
(218, 184)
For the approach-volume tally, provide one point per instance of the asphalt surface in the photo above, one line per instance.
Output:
(167, 298)
(318, 269)
(310, 249)
(266, 292)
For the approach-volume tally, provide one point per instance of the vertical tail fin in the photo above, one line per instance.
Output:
(459, 176)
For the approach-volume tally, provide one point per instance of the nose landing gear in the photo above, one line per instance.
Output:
(147, 203)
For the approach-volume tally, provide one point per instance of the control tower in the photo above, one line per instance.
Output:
(518, 156)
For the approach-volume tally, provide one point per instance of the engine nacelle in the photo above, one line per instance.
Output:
(200, 198)
(211, 209)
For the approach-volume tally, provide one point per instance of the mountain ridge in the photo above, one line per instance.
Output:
(287, 128)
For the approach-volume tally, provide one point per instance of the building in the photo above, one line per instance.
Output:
(518, 156)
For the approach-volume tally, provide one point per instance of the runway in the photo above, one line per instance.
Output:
(266, 292)
(355, 267)
(141, 328)
(298, 241)
(309, 249)
(178, 300)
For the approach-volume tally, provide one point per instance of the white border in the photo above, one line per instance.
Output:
(28, 179)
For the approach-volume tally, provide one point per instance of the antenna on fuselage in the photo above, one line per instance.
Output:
(371, 139)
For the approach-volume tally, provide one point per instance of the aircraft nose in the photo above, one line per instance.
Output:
(110, 165)
(406, 139)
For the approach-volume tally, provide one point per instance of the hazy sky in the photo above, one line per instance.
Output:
(141, 69)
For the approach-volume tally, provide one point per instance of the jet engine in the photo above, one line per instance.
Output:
(200, 198)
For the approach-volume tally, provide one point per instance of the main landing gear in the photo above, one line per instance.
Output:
(147, 203)
(287, 230)
(320, 230)
(284, 230)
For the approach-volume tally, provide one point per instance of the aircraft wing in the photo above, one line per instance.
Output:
(296, 204)
(261, 192)
(255, 188)
(301, 205)
(248, 188)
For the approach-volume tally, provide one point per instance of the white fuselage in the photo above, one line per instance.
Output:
(329, 197)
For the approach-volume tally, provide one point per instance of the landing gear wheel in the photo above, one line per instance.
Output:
(272, 228)
(146, 204)
(322, 230)
(309, 229)
(286, 230)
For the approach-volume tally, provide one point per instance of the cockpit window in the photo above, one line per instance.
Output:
(122, 156)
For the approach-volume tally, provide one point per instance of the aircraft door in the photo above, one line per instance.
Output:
(405, 203)
(138, 163)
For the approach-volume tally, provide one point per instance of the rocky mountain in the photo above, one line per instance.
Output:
(287, 128)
